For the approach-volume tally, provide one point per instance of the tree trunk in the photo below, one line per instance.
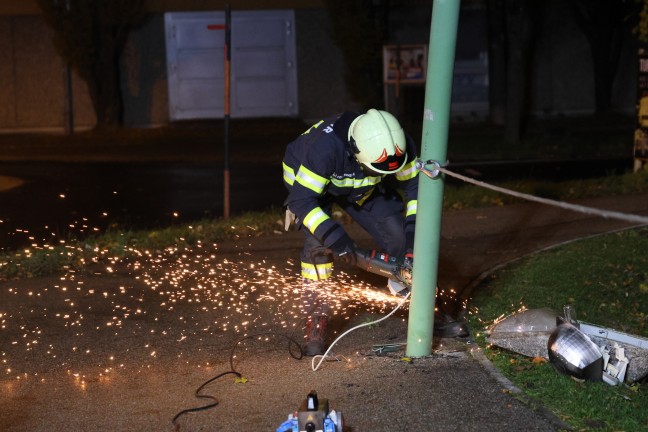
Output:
(496, 62)
(90, 35)
(602, 23)
(109, 107)
(357, 29)
(521, 17)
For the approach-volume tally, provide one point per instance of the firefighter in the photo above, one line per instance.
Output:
(364, 163)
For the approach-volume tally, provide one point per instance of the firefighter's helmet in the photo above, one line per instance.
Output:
(378, 141)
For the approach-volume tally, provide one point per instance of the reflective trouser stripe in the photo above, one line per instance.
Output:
(311, 271)
(411, 208)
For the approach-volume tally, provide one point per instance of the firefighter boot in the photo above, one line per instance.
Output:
(315, 336)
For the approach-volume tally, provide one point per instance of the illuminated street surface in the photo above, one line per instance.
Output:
(126, 316)
(123, 344)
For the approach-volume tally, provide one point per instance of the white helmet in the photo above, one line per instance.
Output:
(378, 141)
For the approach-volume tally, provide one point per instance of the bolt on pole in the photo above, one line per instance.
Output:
(436, 120)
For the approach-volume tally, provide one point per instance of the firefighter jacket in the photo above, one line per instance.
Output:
(320, 163)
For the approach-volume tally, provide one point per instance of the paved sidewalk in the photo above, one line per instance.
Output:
(165, 349)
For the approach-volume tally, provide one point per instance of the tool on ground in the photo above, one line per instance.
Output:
(313, 416)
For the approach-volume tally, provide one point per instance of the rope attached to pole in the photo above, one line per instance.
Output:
(438, 168)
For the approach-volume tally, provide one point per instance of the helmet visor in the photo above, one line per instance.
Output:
(389, 164)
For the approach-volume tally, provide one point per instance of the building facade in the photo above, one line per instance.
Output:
(36, 89)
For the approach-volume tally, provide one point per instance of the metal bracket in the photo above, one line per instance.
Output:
(432, 173)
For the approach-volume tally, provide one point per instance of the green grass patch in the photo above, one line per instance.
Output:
(118, 244)
(606, 278)
(205, 232)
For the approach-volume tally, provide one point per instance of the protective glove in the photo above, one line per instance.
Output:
(344, 250)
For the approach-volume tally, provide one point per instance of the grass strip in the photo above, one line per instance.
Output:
(606, 278)
(118, 244)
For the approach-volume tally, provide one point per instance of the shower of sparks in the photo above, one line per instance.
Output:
(171, 304)
(489, 325)
(175, 305)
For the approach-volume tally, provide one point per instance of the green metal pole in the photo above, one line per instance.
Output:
(436, 120)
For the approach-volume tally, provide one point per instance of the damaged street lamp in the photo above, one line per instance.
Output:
(575, 348)
(573, 353)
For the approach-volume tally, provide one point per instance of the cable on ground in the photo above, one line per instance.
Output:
(232, 371)
(323, 356)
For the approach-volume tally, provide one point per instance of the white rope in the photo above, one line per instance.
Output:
(574, 207)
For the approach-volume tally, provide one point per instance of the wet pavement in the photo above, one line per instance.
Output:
(78, 198)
